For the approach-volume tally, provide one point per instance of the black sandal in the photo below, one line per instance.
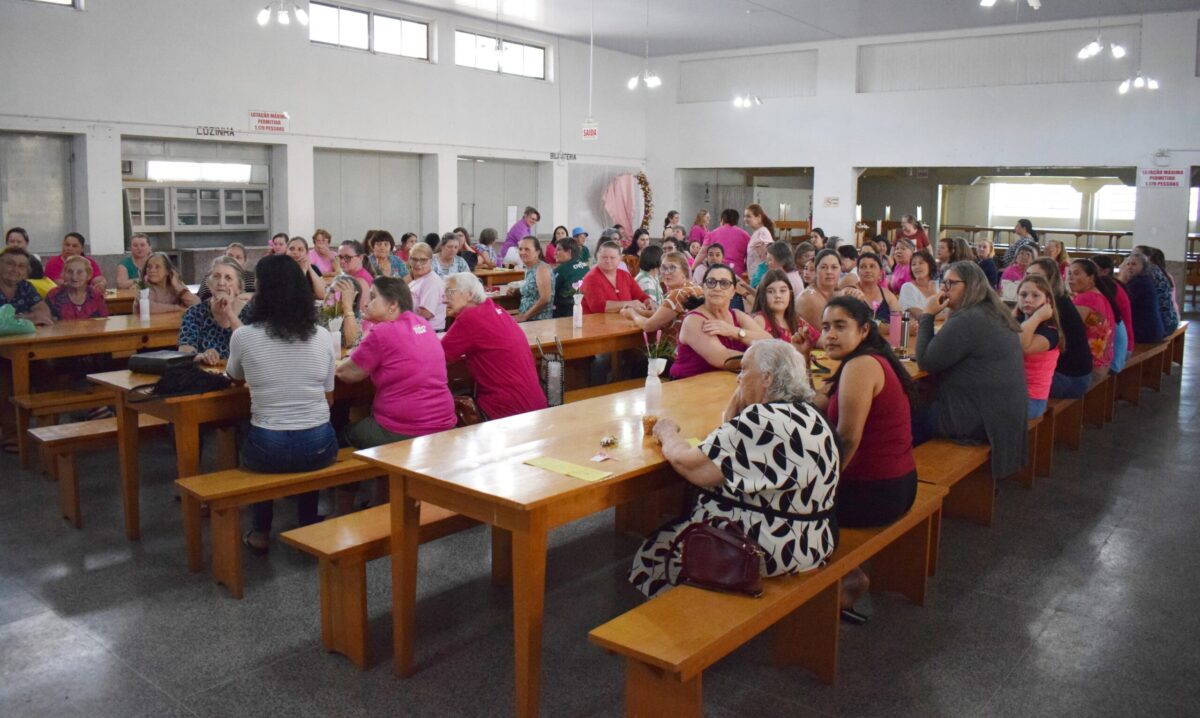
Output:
(854, 618)
(256, 550)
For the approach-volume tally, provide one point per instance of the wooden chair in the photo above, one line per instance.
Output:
(226, 492)
(343, 546)
(670, 641)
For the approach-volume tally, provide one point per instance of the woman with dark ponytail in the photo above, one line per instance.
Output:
(1122, 340)
(1096, 310)
(867, 400)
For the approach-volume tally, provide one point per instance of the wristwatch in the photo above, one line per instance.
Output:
(741, 334)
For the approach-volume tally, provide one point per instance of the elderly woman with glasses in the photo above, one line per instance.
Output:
(714, 336)
(206, 327)
(428, 289)
(980, 369)
(494, 347)
(771, 468)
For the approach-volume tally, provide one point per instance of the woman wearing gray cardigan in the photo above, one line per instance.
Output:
(976, 357)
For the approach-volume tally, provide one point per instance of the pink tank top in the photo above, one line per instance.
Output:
(689, 363)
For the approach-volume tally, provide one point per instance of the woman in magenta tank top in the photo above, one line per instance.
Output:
(867, 401)
(713, 336)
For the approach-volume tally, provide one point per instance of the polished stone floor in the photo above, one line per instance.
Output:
(1080, 601)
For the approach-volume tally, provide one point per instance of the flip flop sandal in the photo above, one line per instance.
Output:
(256, 550)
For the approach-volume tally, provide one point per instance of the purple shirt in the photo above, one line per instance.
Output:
(735, 241)
(516, 233)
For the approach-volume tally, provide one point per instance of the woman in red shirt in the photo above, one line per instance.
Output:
(607, 289)
(867, 399)
(911, 230)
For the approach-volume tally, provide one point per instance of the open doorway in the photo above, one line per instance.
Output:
(785, 194)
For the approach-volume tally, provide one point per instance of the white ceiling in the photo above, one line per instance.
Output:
(689, 26)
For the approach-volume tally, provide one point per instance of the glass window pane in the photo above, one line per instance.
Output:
(387, 35)
(414, 40)
(1116, 202)
(487, 57)
(512, 58)
(353, 30)
(322, 23)
(464, 49)
(1038, 201)
(535, 62)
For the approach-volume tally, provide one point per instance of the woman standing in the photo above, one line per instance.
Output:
(669, 224)
(168, 294)
(1039, 340)
(915, 293)
(775, 306)
(713, 337)
(647, 276)
(131, 266)
(383, 261)
(428, 289)
(538, 287)
(289, 427)
(762, 234)
(1026, 237)
(1096, 312)
(608, 289)
(977, 359)
(72, 246)
(297, 249)
(446, 261)
(322, 256)
(788, 508)
(206, 327)
(699, 230)
(75, 298)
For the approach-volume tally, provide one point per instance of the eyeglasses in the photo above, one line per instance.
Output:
(949, 283)
(715, 283)
(419, 260)
(668, 268)
(347, 256)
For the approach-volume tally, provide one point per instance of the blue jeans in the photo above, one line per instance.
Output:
(1037, 407)
(1069, 387)
(283, 452)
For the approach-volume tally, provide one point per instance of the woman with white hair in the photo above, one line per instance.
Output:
(494, 347)
(769, 424)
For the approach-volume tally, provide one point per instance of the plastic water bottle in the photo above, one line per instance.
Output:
(577, 313)
(144, 304)
(894, 328)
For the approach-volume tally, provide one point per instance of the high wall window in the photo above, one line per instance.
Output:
(361, 30)
(77, 4)
(1116, 201)
(1044, 201)
(496, 55)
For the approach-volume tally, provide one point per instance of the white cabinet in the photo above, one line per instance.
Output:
(244, 209)
(147, 208)
(219, 208)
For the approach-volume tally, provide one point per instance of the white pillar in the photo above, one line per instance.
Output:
(439, 192)
(293, 209)
(97, 190)
(1161, 215)
(835, 186)
(552, 196)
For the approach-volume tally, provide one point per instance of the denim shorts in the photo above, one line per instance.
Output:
(280, 452)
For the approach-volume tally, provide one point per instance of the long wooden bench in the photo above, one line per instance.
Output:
(59, 444)
(50, 405)
(1094, 401)
(1040, 432)
(1175, 342)
(343, 546)
(965, 471)
(1144, 368)
(1068, 421)
(669, 641)
(602, 390)
(226, 492)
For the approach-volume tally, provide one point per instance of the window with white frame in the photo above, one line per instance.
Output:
(1044, 201)
(484, 52)
(1116, 201)
(362, 30)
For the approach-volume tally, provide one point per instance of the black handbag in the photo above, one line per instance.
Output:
(157, 362)
(180, 381)
(717, 555)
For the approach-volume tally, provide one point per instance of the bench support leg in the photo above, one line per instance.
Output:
(191, 531)
(226, 525)
(24, 445)
(1093, 404)
(808, 636)
(1068, 425)
(1043, 447)
(501, 556)
(651, 693)
(1152, 371)
(973, 498)
(903, 567)
(68, 489)
(1110, 400)
(935, 540)
(1025, 475)
(1129, 384)
(344, 609)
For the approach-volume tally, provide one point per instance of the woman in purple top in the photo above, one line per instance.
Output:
(714, 336)
(521, 229)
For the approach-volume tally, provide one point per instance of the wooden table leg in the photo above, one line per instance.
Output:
(227, 454)
(501, 556)
(187, 448)
(529, 597)
(406, 525)
(127, 449)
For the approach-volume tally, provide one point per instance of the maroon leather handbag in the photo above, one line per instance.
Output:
(717, 555)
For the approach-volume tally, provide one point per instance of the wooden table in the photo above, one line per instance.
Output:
(477, 471)
(120, 301)
(493, 277)
(82, 337)
(600, 334)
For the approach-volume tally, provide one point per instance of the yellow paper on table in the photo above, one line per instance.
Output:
(566, 468)
(694, 442)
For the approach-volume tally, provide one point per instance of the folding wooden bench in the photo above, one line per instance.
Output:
(60, 443)
(669, 641)
(226, 492)
(343, 546)
(49, 405)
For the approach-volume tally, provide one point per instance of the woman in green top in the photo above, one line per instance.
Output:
(647, 277)
(569, 271)
(131, 268)
(538, 285)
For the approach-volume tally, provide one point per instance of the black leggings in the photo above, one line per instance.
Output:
(875, 503)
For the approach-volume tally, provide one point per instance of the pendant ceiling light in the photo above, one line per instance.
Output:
(283, 11)
(1138, 81)
(645, 77)
(1035, 4)
(749, 99)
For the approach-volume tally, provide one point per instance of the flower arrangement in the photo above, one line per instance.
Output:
(329, 311)
(578, 287)
(660, 348)
(648, 205)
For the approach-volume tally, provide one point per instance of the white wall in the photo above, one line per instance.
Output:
(159, 69)
(838, 130)
(358, 191)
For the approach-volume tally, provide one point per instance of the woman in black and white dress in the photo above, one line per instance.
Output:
(771, 468)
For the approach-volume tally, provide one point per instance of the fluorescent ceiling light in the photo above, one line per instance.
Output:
(264, 16)
(172, 171)
(1123, 87)
(987, 3)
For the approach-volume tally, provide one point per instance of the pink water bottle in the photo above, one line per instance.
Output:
(894, 329)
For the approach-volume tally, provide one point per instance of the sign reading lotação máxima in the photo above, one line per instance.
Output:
(1162, 177)
(267, 121)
